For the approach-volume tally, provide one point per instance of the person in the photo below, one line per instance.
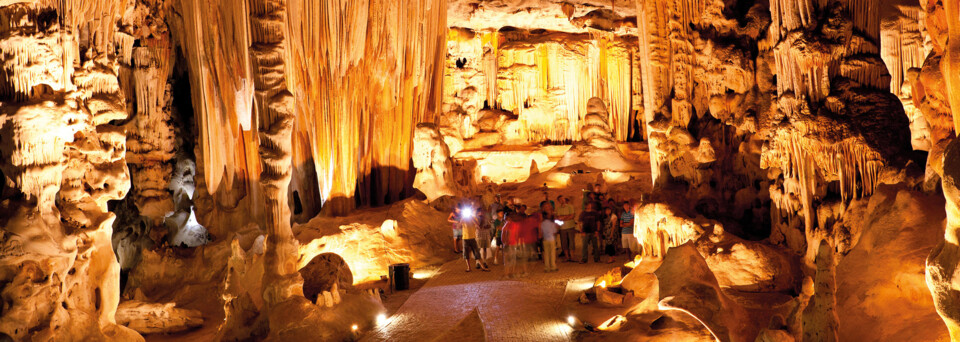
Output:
(627, 240)
(511, 244)
(529, 235)
(611, 228)
(497, 228)
(588, 196)
(548, 232)
(454, 218)
(485, 236)
(567, 232)
(496, 205)
(546, 199)
(469, 223)
(590, 228)
(546, 209)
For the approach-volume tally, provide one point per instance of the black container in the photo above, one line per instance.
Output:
(400, 276)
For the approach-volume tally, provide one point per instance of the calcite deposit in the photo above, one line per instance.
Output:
(270, 169)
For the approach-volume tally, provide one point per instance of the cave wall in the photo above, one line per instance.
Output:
(544, 78)
(63, 151)
(338, 56)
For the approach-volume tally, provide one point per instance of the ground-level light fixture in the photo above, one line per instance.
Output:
(381, 319)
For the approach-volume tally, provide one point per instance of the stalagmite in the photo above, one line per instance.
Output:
(431, 157)
(943, 262)
(290, 315)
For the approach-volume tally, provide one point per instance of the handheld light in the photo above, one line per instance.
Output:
(468, 212)
(558, 222)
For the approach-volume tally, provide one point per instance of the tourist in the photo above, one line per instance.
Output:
(497, 228)
(546, 199)
(599, 195)
(590, 228)
(547, 208)
(611, 228)
(588, 196)
(454, 219)
(612, 205)
(511, 243)
(469, 224)
(567, 224)
(485, 236)
(529, 236)
(548, 232)
(627, 240)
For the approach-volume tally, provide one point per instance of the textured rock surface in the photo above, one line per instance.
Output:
(65, 159)
(788, 143)
(152, 318)
(431, 157)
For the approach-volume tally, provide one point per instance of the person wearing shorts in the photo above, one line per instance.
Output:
(454, 220)
(470, 246)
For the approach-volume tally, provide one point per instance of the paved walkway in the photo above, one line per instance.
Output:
(526, 309)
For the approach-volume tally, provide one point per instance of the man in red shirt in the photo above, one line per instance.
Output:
(511, 241)
(529, 234)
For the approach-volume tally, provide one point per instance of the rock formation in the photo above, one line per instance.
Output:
(944, 259)
(431, 157)
(247, 170)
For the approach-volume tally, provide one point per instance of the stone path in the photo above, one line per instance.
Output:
(525, 309)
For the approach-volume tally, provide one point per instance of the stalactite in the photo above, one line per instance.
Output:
(342, 52)
(144, 71)
(215, 38)
(828, 74)
(902, 49)
(547, 78)
(619, 83)
(657, 228)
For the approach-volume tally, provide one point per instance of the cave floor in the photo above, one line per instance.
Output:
(477, 306)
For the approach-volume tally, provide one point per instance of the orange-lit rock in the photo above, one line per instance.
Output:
(250, 170)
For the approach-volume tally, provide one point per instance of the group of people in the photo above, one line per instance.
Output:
(485, 227)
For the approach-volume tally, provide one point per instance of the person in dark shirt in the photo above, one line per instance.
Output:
(590, 228)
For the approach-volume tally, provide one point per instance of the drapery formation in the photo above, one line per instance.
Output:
(362, 74)
(545, 78)
(215, 36)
